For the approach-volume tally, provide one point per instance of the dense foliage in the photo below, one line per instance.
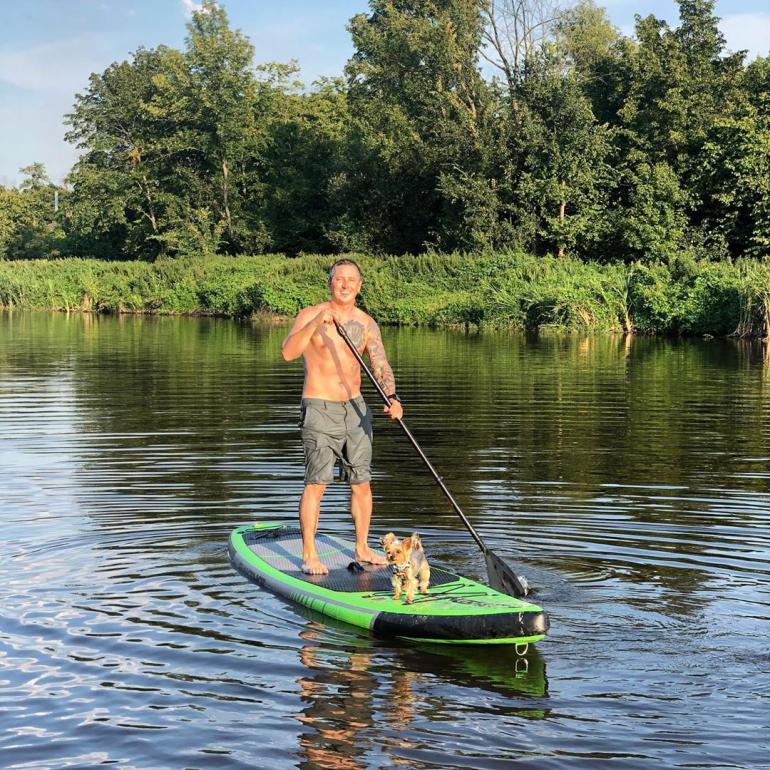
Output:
(503, 290)
(586, 143)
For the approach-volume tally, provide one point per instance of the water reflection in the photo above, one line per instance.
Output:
(337, 705)
(351, 683)
(628, 478)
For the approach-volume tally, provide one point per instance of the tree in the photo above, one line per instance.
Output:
(736, 168)
(651, 222)
(756, 84)
(419, 105)
(515, 32)
(681, 84)
(598, 54)
(306, 171)
(29, 224)
(120, 192)
(36, 177)
(11, 213)
(220, 94)
(585, 142)
(562, 170)
(736, 174)
(172, 149)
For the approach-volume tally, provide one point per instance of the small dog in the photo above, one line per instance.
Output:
(411, 570)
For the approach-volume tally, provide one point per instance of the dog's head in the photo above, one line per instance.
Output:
(389, 542)
(400, 552)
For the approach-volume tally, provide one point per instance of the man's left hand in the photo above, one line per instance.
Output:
(395, 410)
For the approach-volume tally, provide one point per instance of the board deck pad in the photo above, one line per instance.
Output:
(455, 609)
(285, 554)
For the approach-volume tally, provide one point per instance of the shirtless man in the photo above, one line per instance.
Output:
(336, 422)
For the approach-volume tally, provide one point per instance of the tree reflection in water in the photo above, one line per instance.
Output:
(353, 682)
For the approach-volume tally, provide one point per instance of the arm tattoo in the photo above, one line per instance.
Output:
(355, 330)
(380, 366)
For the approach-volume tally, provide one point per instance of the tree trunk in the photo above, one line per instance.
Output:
(226, 198)
(150, 213)
(562, 215)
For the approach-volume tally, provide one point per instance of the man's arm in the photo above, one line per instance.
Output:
(305, 325)
(381, 368)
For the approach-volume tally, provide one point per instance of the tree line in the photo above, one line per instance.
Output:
(457, 125)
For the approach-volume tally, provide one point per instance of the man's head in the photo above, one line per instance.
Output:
(344, 281)
(342, 263)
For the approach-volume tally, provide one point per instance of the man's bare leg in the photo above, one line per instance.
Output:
(361, 511)
(309, 513)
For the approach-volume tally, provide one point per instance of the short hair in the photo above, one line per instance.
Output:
(341, 262)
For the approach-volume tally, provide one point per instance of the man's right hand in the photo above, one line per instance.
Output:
(324, 317)
(305, 326)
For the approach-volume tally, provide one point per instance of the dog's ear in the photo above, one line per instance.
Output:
(407, 544)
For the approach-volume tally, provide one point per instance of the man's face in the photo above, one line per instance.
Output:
(345, 283)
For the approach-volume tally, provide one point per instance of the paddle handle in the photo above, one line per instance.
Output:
(426, 461)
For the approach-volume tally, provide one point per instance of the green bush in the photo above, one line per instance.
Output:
(501, 290)
(655, 298)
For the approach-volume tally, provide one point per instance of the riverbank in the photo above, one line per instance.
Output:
(496, 290)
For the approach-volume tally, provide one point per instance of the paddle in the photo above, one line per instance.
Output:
(500, 576)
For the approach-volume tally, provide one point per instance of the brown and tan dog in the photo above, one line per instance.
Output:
(411, 570)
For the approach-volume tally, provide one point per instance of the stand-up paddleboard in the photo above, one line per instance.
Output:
(455, 610)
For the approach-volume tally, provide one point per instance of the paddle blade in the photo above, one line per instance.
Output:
(502, 578)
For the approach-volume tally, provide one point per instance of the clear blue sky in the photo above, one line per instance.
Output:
(48, 48)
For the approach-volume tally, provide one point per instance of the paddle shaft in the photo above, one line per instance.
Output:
(412, 439)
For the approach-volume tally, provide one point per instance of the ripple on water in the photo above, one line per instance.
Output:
(625, 479)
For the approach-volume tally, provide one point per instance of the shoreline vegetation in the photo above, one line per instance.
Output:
(563, 175)
(494, 291)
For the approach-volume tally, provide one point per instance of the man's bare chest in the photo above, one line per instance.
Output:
(326, 351)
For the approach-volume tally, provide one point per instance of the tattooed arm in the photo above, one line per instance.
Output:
(381, 368)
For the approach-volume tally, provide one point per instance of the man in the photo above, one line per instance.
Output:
(336, 422)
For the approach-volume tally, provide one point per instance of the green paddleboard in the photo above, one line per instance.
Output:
(455, 610)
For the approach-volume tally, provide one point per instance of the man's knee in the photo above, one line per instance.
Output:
(314, 491)
(362, 489)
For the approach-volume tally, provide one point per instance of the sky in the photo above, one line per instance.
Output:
(48, 49)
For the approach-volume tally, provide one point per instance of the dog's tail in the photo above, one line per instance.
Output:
(416, 542)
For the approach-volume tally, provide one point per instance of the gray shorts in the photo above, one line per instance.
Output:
(336, 431)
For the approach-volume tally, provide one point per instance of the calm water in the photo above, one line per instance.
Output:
(628, 480)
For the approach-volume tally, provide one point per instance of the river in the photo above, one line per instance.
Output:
(627, 478)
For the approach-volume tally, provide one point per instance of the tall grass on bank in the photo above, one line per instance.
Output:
(495, 290)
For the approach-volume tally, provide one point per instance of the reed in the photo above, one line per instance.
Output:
(495, 290)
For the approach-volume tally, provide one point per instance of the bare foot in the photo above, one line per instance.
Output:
(370, 557)
(314, 567)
